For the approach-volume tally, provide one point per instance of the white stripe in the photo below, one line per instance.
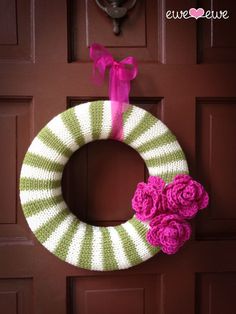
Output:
(97, 249)
(160, 151)
(133, 120)
(118, 249)
(156, 130)
(106, 120)
(58, 128)
(38, 173)
(29, 196)
(52, 242)
(76, 244)
(44, 216)
(83, 115)
(39, 148)
(175, 166)
(140, 246)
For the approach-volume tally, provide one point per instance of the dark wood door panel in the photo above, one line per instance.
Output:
(115, 294)
(216, 293)
(16, 31)
(16, 122)
(136, 37)
(16, 295)
(216, 155)
(213, 44)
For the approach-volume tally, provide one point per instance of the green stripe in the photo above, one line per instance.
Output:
(109, 261)
(37, 206)
(129, 247)
(165, 159)
(72, 124)
(44, 232)
(127, 114)
(85, 256)
(164, 139)
(64, 244)
(52, 141)
(38, 161)
(168, 177)
(29, 184)
(96, 117)
(140, 228)
(143, 125)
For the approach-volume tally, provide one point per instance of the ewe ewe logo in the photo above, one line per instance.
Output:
(196, 14)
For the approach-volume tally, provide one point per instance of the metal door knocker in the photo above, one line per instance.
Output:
(116, 10)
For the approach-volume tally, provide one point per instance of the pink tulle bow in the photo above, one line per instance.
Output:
(121, 73)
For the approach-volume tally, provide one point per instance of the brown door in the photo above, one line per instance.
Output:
(187, 79)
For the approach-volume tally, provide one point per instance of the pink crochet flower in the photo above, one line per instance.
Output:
(169, 232)
(148, 198)
(185, 196)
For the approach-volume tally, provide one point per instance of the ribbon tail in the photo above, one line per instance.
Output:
(119, 96)
(117, 121)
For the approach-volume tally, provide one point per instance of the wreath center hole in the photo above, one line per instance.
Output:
(99, 181)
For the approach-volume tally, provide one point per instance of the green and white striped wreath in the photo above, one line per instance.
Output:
(54, 225)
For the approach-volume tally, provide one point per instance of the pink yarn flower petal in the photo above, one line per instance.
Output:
(185, 196)
(149, 200)
(169, 232)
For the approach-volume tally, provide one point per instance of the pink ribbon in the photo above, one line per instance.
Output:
(120, 75)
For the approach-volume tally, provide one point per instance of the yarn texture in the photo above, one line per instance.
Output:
(149, 199)
(186, 196)
(166, 207)
(169, 232)
(48, 216)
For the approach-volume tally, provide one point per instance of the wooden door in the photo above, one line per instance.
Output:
(187, 79)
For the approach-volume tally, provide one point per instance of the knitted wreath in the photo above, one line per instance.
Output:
(155, 202)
